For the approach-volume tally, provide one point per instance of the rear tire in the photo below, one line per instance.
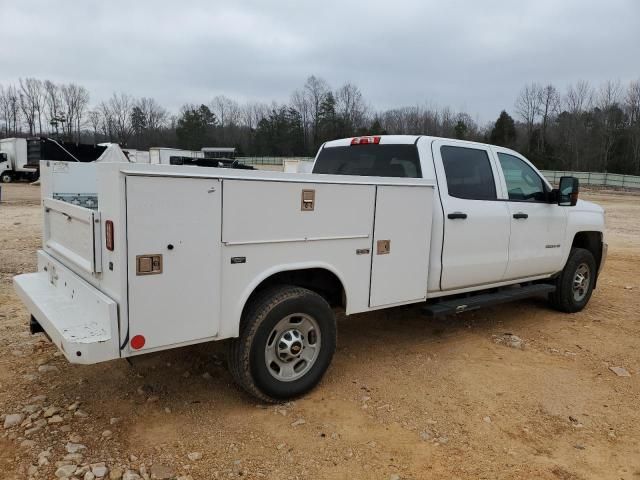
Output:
(575, 283)
(286, 343)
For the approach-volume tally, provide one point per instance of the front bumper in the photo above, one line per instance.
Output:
(79, 319)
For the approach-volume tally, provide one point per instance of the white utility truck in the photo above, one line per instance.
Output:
(16, 161)
(176, 255)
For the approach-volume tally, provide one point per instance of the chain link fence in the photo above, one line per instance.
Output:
(596, 179)
(270, 160)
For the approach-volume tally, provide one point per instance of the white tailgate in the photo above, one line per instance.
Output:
(72, 234)
(403, 217)
(178, 219)
(81, 321)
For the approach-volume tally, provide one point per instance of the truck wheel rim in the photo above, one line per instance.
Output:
(581, 282)
(292, 347)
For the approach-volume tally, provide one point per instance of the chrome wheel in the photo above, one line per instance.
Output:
(581, 281)
(292, 347)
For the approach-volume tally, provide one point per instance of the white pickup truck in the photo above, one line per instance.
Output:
(142, 258)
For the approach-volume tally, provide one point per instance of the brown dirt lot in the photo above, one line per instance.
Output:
(406, 397)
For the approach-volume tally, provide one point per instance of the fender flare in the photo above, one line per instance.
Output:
(289, 267)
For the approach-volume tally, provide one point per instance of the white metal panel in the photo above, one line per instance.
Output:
(536, 243)
(263, 260)
(427, 168)
(79, 319)
(402, 217)
(154, 156)
(255, 175)
(21, 155)
(265, 212)
(70, 234)
(182, 303)
(475, 249)
(71, 177)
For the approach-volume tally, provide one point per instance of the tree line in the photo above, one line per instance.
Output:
(584, 127)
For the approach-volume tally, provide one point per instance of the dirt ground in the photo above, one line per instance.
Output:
(407, 397)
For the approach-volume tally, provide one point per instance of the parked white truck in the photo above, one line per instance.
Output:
(177, 255)
(15, 161)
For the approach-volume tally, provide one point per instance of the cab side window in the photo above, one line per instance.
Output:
(468, 172)
(523, 183)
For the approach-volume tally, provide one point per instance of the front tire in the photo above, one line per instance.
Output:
(6, 177)
(286, 343)
(575, 283)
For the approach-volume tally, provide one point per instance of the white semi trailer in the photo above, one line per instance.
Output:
(165, 256)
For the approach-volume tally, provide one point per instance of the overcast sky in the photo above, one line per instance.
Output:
(473, 55)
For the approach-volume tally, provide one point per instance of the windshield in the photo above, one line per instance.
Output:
(391, 160)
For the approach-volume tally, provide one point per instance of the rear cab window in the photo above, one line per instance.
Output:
(468, 172)
(374, 160)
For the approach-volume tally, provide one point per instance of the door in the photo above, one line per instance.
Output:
(72, 234)
(401, 240)
(476, 223)
(537, 227)
(173, 237)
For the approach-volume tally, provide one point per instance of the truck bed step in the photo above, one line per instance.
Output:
(474, 302)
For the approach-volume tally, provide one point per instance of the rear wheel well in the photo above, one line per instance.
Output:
(591, 241)
(322, 281)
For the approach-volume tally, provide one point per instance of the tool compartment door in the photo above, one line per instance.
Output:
(173, 238)
(402, 237)
(72, 234)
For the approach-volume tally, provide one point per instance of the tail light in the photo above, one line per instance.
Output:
(108, 231)
(365, 140)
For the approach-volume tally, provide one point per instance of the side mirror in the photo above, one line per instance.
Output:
(568, 191)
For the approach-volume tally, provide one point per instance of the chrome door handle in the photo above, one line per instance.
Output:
(520, 215)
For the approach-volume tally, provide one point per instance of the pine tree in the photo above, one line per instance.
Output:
(504, 131)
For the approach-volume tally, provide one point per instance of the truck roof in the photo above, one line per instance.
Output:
(399, 140)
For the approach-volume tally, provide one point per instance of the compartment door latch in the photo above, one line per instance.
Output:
(308, 200)
(150, 264)
(383, 247)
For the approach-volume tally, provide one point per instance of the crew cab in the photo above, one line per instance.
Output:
(142, 258)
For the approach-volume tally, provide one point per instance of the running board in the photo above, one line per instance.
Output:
(474, 302)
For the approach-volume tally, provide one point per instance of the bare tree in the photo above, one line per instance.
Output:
(106, 121)
(528, 106)
(579, 97)
(117, 117)
(350, 105)
(577, 101)
(632, 107)
(607, 102)
(299, 102)
(31, 103)
(75, 100)
(53, 101)
(548, 105)
(228, 113)
(154, 114)
(10, 109)
(315, 92)
(95, 119)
